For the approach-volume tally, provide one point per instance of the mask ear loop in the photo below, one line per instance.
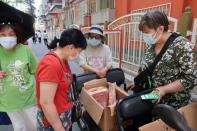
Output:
(155, 40)
(155, 34)
(58, 44)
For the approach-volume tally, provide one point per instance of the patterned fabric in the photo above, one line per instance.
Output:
(97, 57)
(44, 125)
(179, 62)
(17, 89)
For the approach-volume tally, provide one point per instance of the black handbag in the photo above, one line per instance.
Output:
(77, 106)
(143, 81)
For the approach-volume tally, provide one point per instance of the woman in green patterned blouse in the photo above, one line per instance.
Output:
(176, 73)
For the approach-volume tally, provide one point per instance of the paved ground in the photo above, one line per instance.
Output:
(6, 128)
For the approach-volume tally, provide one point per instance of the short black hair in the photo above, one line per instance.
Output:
(68, 37)
(16, 29)
(153, 20)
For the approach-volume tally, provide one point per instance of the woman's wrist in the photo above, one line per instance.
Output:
(161, 91)
(106, 68)
(96, 70)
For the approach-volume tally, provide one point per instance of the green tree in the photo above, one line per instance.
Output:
(30, 9)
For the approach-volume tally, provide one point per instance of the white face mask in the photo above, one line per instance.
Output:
(8, 42)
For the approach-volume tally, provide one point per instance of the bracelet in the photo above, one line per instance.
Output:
(156, 89)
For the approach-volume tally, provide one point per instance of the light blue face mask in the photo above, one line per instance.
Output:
(8, 42)
(148, 39)
(93, 42)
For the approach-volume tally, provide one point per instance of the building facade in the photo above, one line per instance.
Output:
(120, 19)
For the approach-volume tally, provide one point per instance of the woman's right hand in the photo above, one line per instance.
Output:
(2, 74)
(100, 74)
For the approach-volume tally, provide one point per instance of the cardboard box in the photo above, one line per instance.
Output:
(189, 112)
(157, 125)
(101, 116)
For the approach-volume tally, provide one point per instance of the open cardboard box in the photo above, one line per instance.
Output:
(101, 116)
(189, 112)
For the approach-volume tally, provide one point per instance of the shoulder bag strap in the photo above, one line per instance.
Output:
(170, 40)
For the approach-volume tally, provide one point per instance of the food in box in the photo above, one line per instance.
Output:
(102, 116)
(100, 94)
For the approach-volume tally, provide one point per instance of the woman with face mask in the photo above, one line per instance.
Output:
(176, 72)
(17, 70)
(17, 87)
(53, 82)
(97, 57)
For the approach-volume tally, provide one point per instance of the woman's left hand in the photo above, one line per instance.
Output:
(161, 93)
(2, 74)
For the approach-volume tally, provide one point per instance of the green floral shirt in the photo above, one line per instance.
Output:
(179, 62)
(17, 89)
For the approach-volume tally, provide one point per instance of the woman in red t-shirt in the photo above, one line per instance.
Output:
(53, 82)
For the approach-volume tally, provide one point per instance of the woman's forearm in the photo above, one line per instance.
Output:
(108, 66)
(52, 116)
(173, 87)
(89, 68)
